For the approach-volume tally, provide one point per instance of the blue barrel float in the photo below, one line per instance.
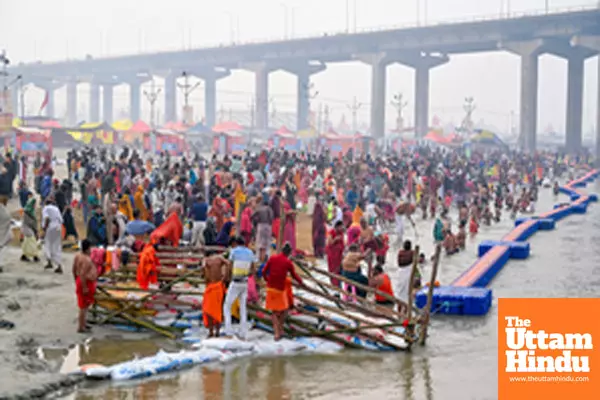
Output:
(468, 294)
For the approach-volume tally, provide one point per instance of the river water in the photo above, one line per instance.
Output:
(458, 362)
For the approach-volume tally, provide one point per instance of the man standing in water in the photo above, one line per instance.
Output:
(52, 231)
(276, 272)
(85, 275)
(242, 266)
(212, 302)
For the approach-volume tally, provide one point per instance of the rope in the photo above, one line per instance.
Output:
(446, 306)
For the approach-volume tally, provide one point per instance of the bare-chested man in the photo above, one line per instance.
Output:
(85, 275)
(212, 303)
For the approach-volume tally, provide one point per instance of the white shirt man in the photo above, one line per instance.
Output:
(242, 259)
(52, 224)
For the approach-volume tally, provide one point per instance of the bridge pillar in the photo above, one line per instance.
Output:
(575, 56)
(135, 82)
(107, 102)
(210, 102)
(529, 52)
(592, 43)
(378, 63)
(171, 97)
(378, 83)
(261, 93)
(303, 93)
(574, 104)
(72, 102)
(422, 63)
(94, 114)
(210, 93)
(134, 100)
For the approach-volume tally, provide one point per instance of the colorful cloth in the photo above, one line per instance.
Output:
(212, 302)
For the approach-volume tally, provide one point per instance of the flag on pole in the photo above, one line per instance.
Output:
(44, 102)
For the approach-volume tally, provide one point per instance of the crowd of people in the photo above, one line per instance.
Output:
(247, 202)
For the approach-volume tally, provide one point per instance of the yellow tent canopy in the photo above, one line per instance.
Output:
(122, 125)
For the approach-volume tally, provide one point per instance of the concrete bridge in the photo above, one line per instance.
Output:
(573, 35)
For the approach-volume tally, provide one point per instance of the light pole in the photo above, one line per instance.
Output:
(347, 16)
(186, 89)
(232, 32)
(22, 90)
(152, 96)
(285, 20)
(311, 94)
(399, 104)
(354, 107)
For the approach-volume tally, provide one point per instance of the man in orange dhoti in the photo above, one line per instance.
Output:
(278, 290)
(212, 302)
(147, 272)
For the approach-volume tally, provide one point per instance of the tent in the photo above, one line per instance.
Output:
(136, 132)
(436, 137)
(486, 138)
(229, 143)
(122, 125)
(176, 126)
(199, 129)
(284, 139)
(29, 141)
(97, 133)
(165, 140)
(227, 126)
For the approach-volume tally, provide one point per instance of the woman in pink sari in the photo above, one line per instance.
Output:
(289, 230)
(303, 189)
(246, 222)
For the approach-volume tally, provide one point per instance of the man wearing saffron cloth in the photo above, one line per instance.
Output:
(84, 274)
(276, 273)
(212, 302)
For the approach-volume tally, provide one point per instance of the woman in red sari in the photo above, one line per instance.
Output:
(335, 250)
(319, 231)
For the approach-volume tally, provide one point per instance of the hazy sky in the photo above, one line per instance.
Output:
(59, 29)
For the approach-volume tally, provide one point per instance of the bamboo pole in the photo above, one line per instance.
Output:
(411, 281)
(171, 302)
(358, 285)
(311, 277)
(140, 321)
(129, 306)
(149, 291)
(390, 313)
(342, 325)
(192, 248)
(436, 262)
(355, 319)
(355, 306)
(282, 218)
(359, 300)
(131, 276)
(309, 330)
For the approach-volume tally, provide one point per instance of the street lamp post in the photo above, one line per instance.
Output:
(187, 90)
(152, 97)
(285, 20)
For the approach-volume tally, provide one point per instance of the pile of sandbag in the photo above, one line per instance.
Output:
(207, 351)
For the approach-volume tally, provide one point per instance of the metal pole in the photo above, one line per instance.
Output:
(22, 99)
(285, 20)
(293, 14)
(347, 16)
(355, 17)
